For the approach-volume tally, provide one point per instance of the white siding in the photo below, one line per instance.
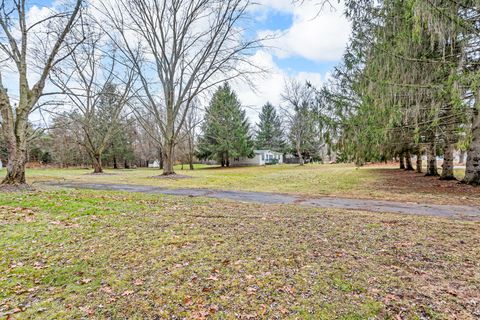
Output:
(255, 161)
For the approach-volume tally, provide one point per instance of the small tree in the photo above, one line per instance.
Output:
(301, 119)
(269, 132)
(226, 131)
(100, 86)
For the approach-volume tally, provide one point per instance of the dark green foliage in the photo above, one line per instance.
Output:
(226, 131)
(269, 133)
(120, 152)
(47, 158)
(404, 83)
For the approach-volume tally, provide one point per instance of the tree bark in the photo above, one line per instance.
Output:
(168, 157)
(15, 169)
(190, 161)
(447, 166)
(14, 132)
(115, 164)
(419, 162)
(97, 163)
(431, 160)
(472, 171)
(300, 157)
(408, 158)
(402, 161)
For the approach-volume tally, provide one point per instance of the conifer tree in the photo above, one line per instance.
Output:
(226, 131)
(269, 133)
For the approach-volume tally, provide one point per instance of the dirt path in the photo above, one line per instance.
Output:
(452, 211)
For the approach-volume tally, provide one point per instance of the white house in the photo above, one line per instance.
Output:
(154, 164)
(262, 157)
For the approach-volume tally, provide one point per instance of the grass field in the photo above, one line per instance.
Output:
(73, 254)
(384, 182)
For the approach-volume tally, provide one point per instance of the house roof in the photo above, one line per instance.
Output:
(266, 151)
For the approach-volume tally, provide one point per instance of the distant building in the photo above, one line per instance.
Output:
(261, 158)
(154, 164)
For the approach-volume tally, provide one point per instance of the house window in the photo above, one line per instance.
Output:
(263, 157)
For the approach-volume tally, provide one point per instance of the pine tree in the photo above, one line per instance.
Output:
(226, 131)
(269, 132)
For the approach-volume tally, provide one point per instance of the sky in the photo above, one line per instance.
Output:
(308, 42)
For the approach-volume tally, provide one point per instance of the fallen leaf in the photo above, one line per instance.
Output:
(127, 293)
(213, 278)
(187, 301)
(138, 282)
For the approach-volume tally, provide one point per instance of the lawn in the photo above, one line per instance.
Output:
(384, 182)
(73, 254)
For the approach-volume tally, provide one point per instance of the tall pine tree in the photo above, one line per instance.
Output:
(226, 131)
(269, 132)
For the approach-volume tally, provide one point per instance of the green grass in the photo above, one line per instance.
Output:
(309, 180)
(73, 254)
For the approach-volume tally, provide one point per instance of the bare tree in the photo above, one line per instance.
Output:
(300, 117)
(20, 47)
(100, 87)
(188, 46)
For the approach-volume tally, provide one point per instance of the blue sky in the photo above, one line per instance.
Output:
(308, 43)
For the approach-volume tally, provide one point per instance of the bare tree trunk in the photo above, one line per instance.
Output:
(168, 157)
(14, 132)
(190, 161)
(300, 157)
(447, 166)
(431, 160)
(419, 162)
(408, 158)
(472, 171)
(115, 164)
(97, 163)
(16, 168)
(402, 161)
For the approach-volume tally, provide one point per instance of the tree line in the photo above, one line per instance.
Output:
(152, 57)
(408, 85)
(221, 133)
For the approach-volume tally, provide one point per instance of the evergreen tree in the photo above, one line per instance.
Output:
(269, 133)
(226, 131)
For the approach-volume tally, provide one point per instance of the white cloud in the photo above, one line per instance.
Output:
(315, 34)
(269, 87)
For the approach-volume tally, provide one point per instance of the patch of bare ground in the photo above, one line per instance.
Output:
(416, 187)
(7, 188)
(172, 177)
